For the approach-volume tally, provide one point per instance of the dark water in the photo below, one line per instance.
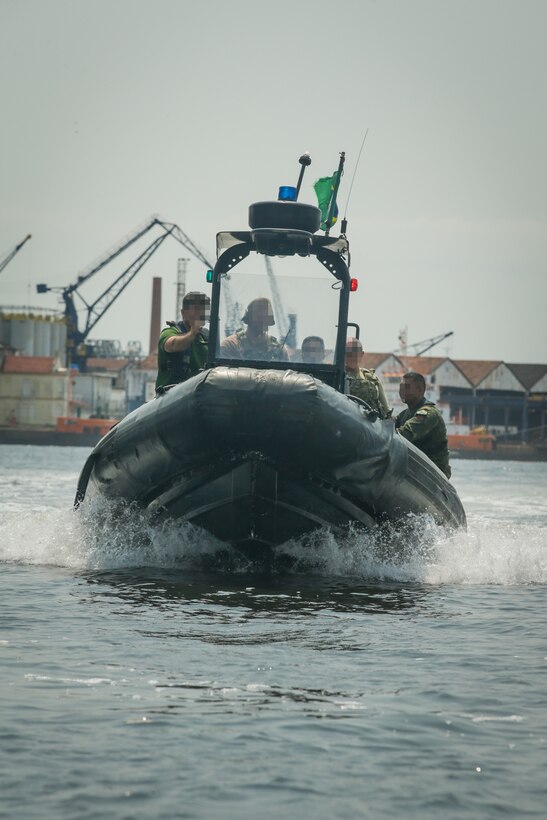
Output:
(146, 674)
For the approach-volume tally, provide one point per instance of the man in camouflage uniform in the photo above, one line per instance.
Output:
(255, 342)
(422, 423)
(364, 383)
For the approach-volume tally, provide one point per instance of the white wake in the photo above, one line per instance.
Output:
(106, 536)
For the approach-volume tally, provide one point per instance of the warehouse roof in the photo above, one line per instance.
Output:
(374, 360)
(528, 374)
(422, 364)
(476, 369)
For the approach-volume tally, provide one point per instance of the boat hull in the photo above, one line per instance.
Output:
(264, 456)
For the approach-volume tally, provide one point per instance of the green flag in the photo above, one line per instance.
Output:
(324, 189)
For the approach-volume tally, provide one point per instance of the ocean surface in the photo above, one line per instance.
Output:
(146, 672)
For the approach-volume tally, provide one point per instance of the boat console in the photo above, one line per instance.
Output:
(284, 232)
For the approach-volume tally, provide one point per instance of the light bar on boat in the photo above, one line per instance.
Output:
(287, 193)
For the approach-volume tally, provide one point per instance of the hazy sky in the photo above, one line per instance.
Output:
(114, 110)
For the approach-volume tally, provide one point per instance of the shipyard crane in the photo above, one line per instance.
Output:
(429, 343)
(279, 313)
(233, 309)
(96, 309)
(7, 259)
(286, 323)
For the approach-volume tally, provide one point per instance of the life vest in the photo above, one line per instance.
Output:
(182, 364)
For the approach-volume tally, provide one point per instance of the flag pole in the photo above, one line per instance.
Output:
(332, 205)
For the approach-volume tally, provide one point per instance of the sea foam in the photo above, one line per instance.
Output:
(105, 536)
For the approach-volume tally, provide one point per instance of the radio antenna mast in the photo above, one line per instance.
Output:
(354, 173)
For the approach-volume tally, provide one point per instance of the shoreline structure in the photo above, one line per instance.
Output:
(47, 437)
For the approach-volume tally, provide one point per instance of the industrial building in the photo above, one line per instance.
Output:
(34, 391)
(33, 332)
(509, 400)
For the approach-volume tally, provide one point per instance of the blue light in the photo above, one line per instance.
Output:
(287, 193)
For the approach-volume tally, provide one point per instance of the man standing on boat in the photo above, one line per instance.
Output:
(255, 342)
(422, 423)
(182, 346)
(364, 383)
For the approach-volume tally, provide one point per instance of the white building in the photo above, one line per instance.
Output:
(91, 395)
(141, 382)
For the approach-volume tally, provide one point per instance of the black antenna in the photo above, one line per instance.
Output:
(304, 161)
(345, 219)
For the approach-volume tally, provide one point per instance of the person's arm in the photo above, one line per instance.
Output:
(181, 341)
(420, 425)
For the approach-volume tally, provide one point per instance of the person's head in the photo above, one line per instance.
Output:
(196, 307)
(354, 354)
(313, 349)
(412, 388)
(259, 315)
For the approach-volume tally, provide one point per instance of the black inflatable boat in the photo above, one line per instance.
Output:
(260, 450)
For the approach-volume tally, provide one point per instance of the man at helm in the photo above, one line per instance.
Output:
(255, 342)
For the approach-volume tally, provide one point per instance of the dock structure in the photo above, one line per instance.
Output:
(507, 400)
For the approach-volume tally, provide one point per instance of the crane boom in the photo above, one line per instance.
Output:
(279, 313)
(432, 342)
(429, 343)
(96, 310)
(178, 234)
(111, 254)
(130, 239)
(233, 309)
(7, 259)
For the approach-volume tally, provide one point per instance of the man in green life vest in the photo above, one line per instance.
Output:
(182, 346)
(422, 423)
(255, 342)
(364, 383)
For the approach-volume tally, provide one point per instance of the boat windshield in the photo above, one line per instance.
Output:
(279, 309)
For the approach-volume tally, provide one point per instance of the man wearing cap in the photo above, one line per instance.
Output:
(422, 422)
(364, 383)
(255, 342)
(182, 346)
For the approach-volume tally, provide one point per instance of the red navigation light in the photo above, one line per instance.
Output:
(353, 285)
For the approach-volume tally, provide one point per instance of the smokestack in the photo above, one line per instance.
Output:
(155, 315)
